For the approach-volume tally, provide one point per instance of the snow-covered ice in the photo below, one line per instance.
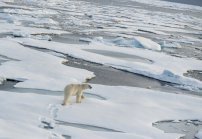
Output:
(125, 109)
(2, 79)
(136, 41)
(25, 31)
(123, 112)
(199, 134)
(20, 115)
(163, 67)
(39, 70)
(147, 43)
(171, 45)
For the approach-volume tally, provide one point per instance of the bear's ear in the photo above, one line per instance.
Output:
(89, 86)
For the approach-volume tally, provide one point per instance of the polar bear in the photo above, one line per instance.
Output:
(74, 90)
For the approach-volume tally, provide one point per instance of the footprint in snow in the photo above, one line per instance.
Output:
(53, 110)
(46, 123)
(55, 136)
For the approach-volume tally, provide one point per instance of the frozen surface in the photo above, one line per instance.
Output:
(122, 114)
(107, 112)
(2, 80)
(147, 43)
(163, 67)
(21, 113)
(20, 31)
(38, 70)
(127, 109)
(126, 21)
(136, 41)
(175, 27)
(199, 134)
(171, 45)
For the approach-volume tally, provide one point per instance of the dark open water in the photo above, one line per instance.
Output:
(191, 2)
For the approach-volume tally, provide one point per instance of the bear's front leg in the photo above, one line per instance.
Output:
(78, 98)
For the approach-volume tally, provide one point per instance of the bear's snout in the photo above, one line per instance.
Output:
(90, 87)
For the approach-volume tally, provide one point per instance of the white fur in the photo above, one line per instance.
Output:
(74, 90)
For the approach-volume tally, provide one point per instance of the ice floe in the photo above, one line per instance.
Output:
(123, 114)
(107, 112)
(163, 67)
(136, 41)
(20, 31)
(21, 113)
(38, 69)
(110, 19)
(147, 43)
(127, 109)
(171, 45)
(199, 134)
(2, 79)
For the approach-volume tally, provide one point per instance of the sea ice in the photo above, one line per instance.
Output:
(26, 31)
(39, 70)
(138, 41)
(147, 43)
(123, 114)
(170, 45)
(163, 67)
(199, 134)
(2, 79)
(126, 109)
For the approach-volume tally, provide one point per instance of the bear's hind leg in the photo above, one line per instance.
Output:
(67, 96)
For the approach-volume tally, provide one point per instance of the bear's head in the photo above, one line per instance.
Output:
(87, 86)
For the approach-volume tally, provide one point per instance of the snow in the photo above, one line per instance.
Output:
(137, 41)
(171, 45)
(125, 109)
(147, 43)
(38, 69)
(128, 21)
(199, 134)
(26, 10)
(20, 115)
(26, 31)
(2, 79)
(123, 112)
(163, 67)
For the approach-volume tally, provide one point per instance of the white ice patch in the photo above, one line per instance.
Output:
(28, 11)
(147, 43)
(2, 79)
(123, 20)
(42, 37)
(26, 31)
(129, 110)
(40, 70)
(199, 134)
(138, 41)
(163, 67)
(21, 115)
(170, 45)
(20, 34)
